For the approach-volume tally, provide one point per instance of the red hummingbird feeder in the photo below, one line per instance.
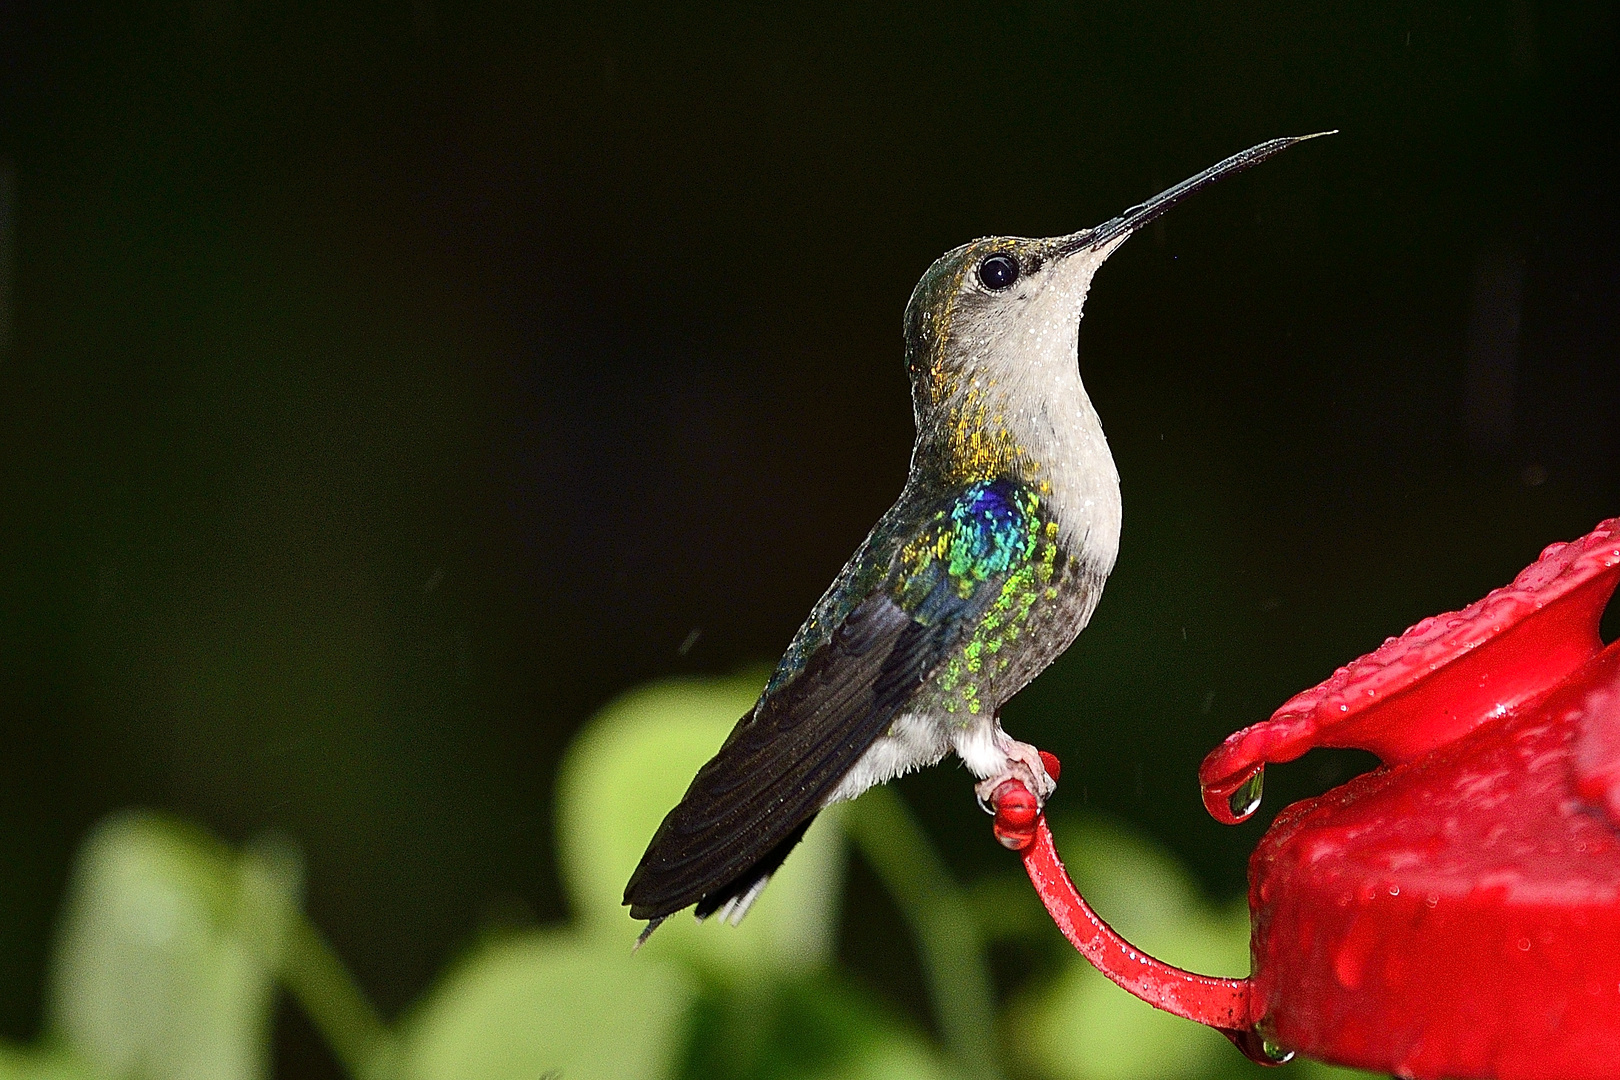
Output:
(1455, 913)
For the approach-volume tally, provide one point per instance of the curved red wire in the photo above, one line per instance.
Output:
(1218, 1003)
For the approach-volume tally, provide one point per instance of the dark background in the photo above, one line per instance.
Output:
(384, 387)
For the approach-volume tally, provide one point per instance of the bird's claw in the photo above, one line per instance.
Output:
(1016, 807)
(1036, 770)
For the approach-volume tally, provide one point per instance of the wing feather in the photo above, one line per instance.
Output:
(782, 760)
(748, 806)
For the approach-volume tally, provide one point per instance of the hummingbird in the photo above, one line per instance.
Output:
(981, 574)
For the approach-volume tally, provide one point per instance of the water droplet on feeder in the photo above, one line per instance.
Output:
(1259, 1045)
(1246, 799)
(1231, 803)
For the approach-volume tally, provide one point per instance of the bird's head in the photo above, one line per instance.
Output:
(993, 326)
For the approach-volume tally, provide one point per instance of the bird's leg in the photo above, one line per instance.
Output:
(996, 757)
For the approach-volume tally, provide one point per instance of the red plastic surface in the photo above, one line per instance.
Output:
(1456, 912)
(1443, 677)
(1597, 752)
(1458, 916)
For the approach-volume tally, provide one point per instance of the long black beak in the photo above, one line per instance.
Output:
(1138, 216)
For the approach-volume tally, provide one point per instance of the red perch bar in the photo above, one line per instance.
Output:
(1455, 913)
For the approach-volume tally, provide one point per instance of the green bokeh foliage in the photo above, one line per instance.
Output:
(171, 945)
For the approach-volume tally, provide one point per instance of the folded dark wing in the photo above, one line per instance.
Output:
(782, 760)
(748, 806)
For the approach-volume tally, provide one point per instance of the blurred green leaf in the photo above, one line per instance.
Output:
(898, 1057)
(316, 978)
(1135, 884)
(167, 945)
(870, 1043)
(550, 1003)
(1086, 1028)
(56, 1063)
(1005, 908)
(942, 922)
(624, 772)
(821, 1027)
(1305, 1069)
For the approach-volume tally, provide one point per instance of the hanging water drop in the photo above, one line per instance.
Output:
(1245, 798)
(1234, 799)
(1275, 1051)
(1260, 1045)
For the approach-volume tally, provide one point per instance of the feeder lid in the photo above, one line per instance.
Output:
(1456, 912)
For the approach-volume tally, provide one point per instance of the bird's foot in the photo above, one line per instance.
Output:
(1023, 763)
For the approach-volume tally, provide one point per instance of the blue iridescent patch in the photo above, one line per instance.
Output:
(991, 529)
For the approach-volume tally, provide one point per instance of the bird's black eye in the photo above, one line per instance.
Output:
(998, 271)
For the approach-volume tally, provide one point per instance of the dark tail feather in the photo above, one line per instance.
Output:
(646, 932)
(744, 888)
(782, 761)
(753, 878)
